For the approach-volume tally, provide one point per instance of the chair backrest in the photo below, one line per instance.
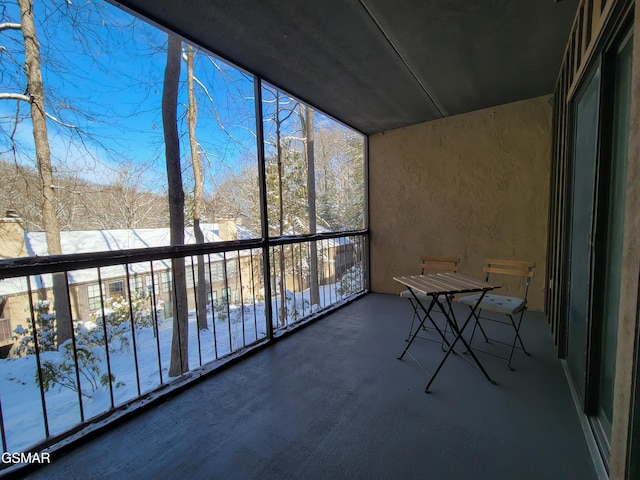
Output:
(439, 264)
(515, 268)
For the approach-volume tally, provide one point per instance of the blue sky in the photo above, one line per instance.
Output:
(99, 60)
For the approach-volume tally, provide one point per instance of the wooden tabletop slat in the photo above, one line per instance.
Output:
(443, 283)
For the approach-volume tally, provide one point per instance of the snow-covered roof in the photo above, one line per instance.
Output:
(87, 241)
(244, 233)
(333, 242)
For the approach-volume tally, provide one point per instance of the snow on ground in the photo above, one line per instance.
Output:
(21, 400)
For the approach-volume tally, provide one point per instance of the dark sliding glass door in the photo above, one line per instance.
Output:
(586, 113)
(610, 239)
(601, 130)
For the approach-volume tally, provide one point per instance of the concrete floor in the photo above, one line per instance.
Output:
(332, 401)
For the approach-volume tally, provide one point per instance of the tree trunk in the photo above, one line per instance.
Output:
(43, 155)
(283, 297)
(192, 119)
(179, 340)
(307, 122)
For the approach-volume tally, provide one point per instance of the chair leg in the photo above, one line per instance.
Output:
(486, 339)
(517, 328)
(477, 324)
(517, 337)
(415, 315)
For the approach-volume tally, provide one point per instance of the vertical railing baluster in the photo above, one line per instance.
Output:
(332, 262)
(359, 260)
(106, 340)
(275, 314)
(155, 320)
(196, 302)
(253, 295)
(226, 296)
(356, 266)
(336, 253)
(133, 327)
(3, 436)
(36, 346)
(213, 309)
(292, 247)
(283, 296)
(301, 278)
(324, 281)
(304, 277)
(294, 267)
(279, 286)
(352, 268)
(244, 340)
(354, 261)
(75, 349)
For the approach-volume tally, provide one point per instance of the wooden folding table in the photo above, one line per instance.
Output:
(445, 284)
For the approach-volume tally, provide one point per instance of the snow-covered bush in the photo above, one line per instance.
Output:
(118, 314)
(61, 372)
(296, 307)
(351, 281)
(221, 308)
(58, 365)
(46, 332)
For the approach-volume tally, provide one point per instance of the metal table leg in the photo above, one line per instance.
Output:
(459, 337)
(427, 314)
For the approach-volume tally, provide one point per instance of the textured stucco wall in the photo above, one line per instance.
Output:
(474, 186)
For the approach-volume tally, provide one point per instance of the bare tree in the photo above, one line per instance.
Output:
(306, 120)
(179, 339)
(192, 119)
(339, 177)
(35, 96)
(123, 203)
(280, 166)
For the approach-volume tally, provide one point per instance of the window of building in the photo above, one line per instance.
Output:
(167, 282)
(189, 272)
(5, 329)
(217, 272)
(213, 296)
(93, 294)
(152, 285)
(116, 289)
(138, 285)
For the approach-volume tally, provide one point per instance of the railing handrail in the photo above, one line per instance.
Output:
(25, 266)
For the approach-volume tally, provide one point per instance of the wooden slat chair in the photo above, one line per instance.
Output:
(429, 264)
(510, 306)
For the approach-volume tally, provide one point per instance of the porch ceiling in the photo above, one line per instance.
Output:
(378, 65)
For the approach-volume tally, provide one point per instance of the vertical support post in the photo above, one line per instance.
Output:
(366, 257)
(268, 313)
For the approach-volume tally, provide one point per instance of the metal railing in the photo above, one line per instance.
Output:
(124, 330)
(337, 269)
